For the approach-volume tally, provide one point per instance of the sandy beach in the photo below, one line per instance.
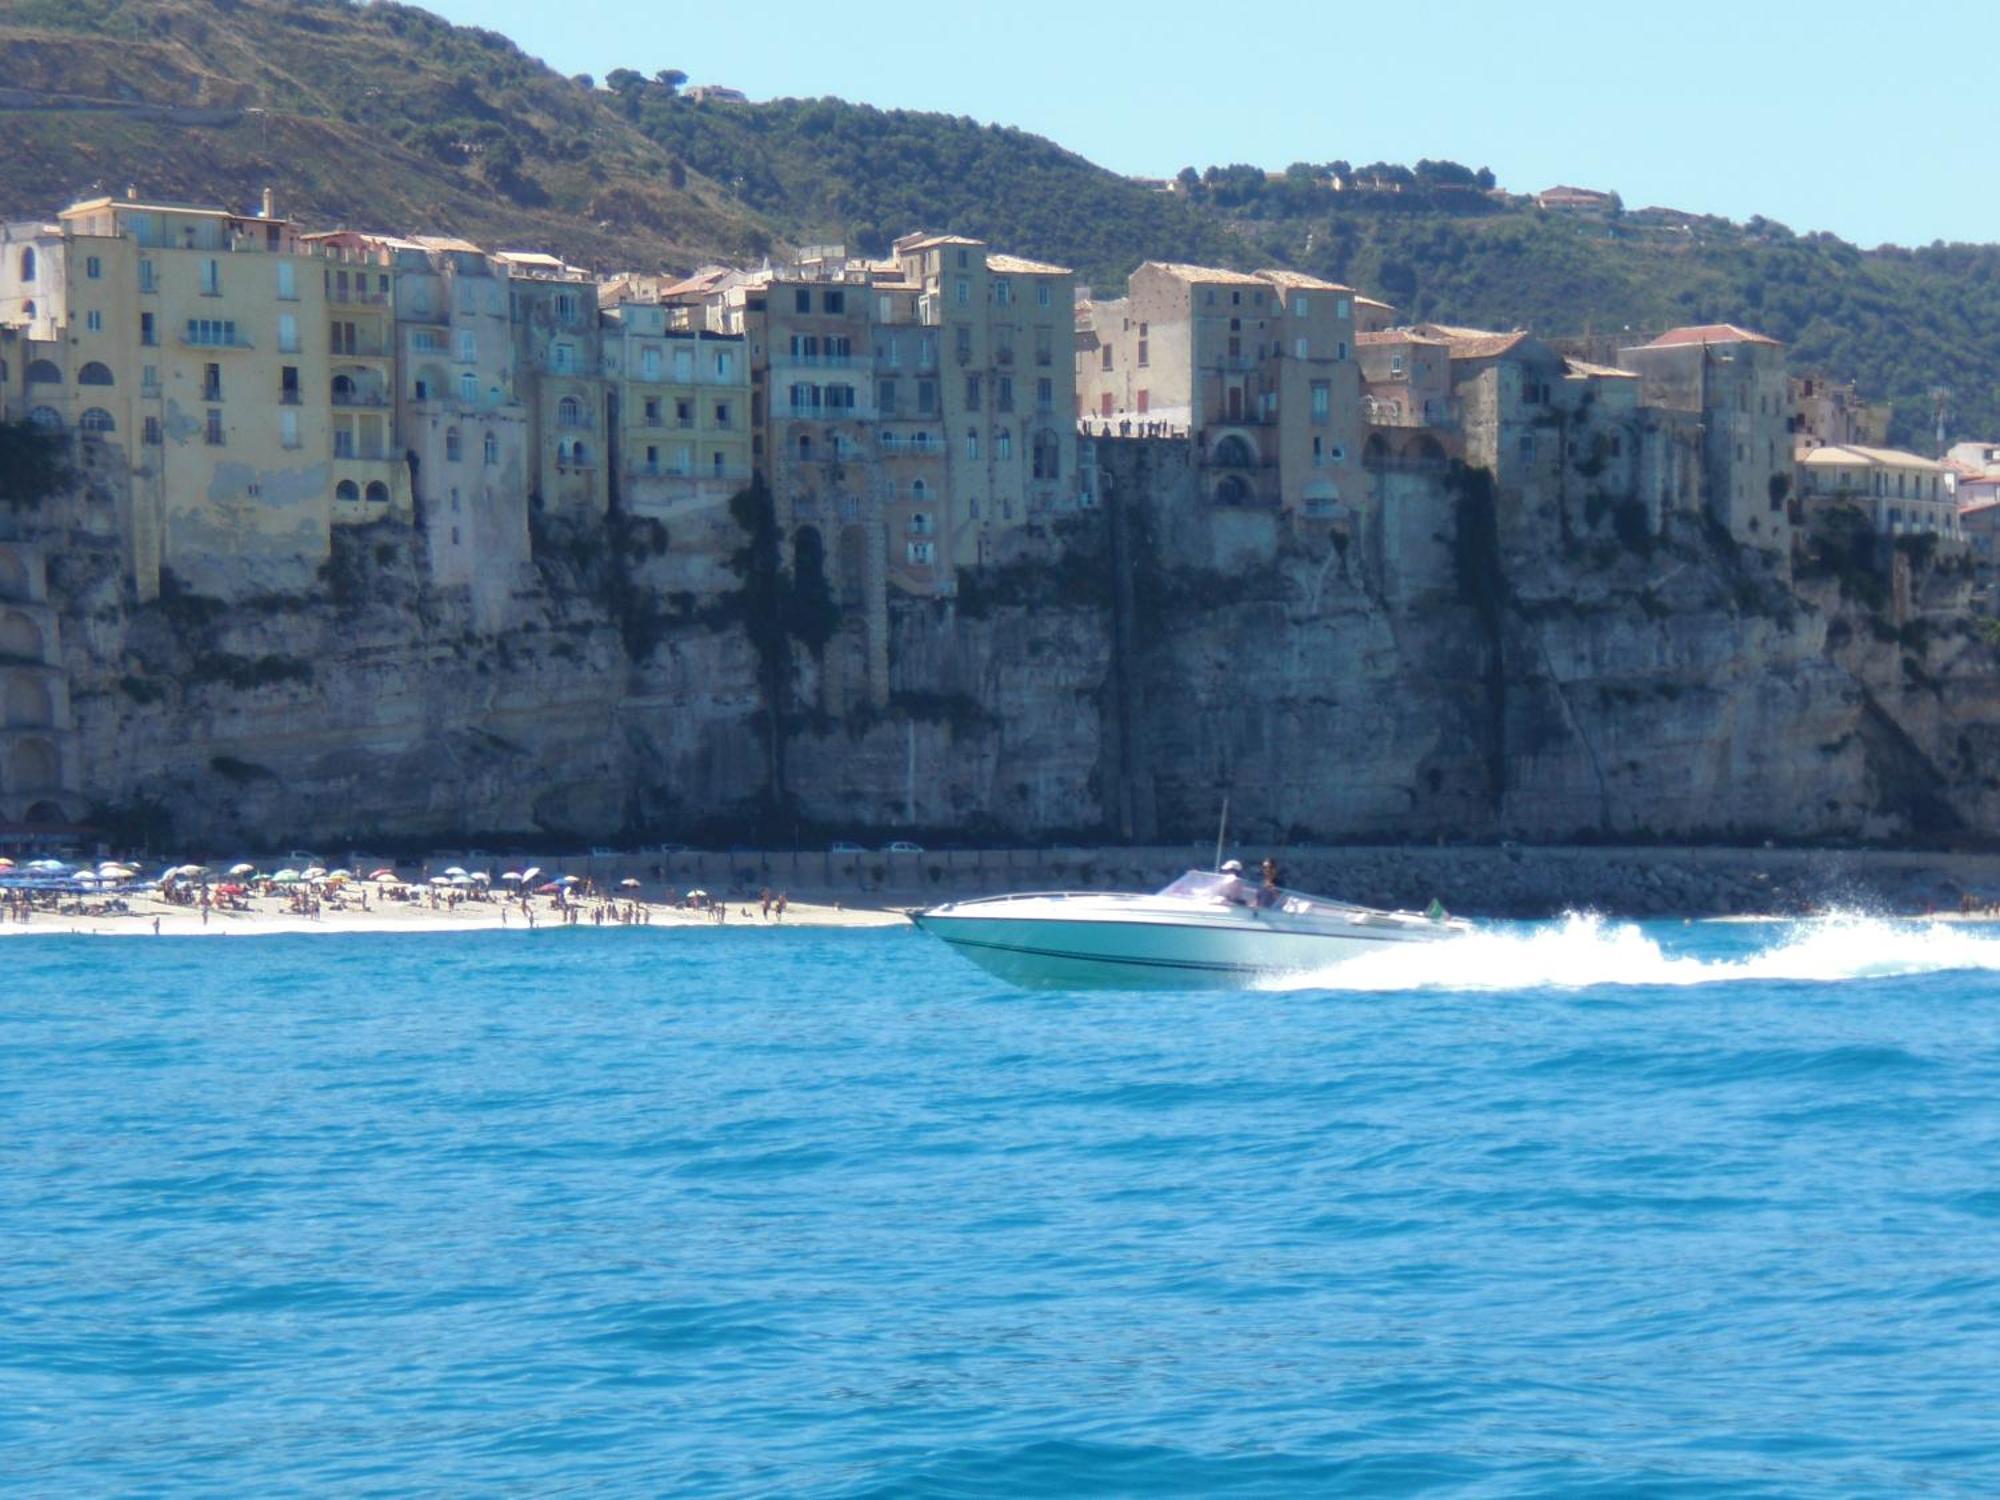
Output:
(271, 914)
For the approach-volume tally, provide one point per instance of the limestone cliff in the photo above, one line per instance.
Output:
(1436, 668)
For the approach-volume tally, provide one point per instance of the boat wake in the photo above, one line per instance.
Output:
(1584, 950)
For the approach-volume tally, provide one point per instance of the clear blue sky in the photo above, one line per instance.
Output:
(1866, 119)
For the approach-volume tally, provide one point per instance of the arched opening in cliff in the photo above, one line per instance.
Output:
(20, 637)
(28, 704)
(32, 768)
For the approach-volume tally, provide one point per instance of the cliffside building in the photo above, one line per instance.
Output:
(1257, 372)
(1732, 382)
(1901, 494)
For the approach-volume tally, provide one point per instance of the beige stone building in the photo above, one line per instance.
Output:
(1257, 372)
(189, 357)
(1733, 383)
(558, 362)
(1902, 494)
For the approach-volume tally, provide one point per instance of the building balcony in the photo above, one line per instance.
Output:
(361, 349)
(356, 297)
(368, 400)
(239, 342)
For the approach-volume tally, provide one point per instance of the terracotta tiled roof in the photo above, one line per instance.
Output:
(1015, 265)
(1201, 274)
(1474, 343)
(1299, 281)
(1397, 336)
(1709, 333)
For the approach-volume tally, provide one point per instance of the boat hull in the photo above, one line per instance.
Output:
(1134, 953)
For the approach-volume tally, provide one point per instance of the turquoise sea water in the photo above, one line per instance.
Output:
(1581, 1210)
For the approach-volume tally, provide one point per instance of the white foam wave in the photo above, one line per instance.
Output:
(1583, 950)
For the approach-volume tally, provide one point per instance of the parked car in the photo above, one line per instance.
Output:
(842, 846)
(904, 846)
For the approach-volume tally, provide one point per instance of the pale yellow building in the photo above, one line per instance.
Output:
(1902, 494)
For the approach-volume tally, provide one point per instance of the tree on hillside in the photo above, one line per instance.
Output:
(670, 79)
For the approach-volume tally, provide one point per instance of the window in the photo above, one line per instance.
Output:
(288, 282)
(211, 382)
(347, 489)
(1045, 395)
(1298, 304)
(963, 292)
(683, 413)
(562, 359)
(1003, 393)
(566, 307)
(93, 268)
(885, 397)
(149, 379)
(569, 412)
(1043, 347)
(723, 417)
(652, 410)
(46, 418)
(95, 373)
(1104, 357)
(288, 334)
(683, 365)
(288, 385)
(213, 433)
(1042, 295)
(96, 421)
(927, 398)
(725, 364)
(1301, 349)
(1003, 291)
(1145, 401)
(1047, 456)
(288, 427)
(468, 388)
(468, 346)
(490, 446)
(148, 277)
(972, 393)
(453, 446)
(152, 432)
(919, 492)
(802, 300)
(835, 302)
(649, 364)
(211, 333)
(211, 278)
(921, 552)
(972, 442)
(28, 265)
(805, 398)
(1322, 402)
(1145, 347)
(1003, 444)
(839, 398)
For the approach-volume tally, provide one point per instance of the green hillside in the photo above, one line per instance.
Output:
(384, 116)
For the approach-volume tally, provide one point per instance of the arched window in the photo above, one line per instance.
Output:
(919, 491)
(95, 373)
(343, 390)
(378, 492)
(47, 418)
(42, 372)
(491, 446)
(347, 489)
(1234, 452)
(562, 450)
(28, 263)
(1047, 456)
(453, 448)
(580, 452)
(569, 412)
(97, 421)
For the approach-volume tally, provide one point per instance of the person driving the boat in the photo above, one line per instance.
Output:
(1269, 894)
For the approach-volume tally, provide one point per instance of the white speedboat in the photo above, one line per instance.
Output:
(1207, 929)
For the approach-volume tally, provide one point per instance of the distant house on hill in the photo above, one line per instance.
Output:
(1587, 202)
(715, 93)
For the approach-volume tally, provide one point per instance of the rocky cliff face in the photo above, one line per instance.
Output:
(1433, 670)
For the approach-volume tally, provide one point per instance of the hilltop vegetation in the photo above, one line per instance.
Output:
(382, 115)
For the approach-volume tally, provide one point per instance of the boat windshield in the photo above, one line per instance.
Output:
(1225, 889)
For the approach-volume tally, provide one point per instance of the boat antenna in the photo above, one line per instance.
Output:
(1222, 829)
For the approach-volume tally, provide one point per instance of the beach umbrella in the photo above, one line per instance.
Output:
(5, 863)
(482, 877)
(455, 870)
(547, 890)
(440, 880)
(243, 869)
(286, 877)
(388, 880)
(385, 873)
(531, 872)
(629, 884)
(696, 896)
(46, 866)
(190, 872)
(514, 875)
(316, 872)
(116, 872)
(569, 880)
